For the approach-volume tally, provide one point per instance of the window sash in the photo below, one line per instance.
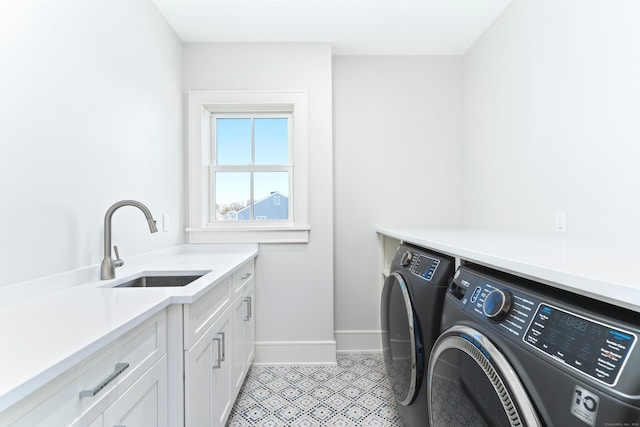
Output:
(251, 167)
(250, 115)
(232, 168)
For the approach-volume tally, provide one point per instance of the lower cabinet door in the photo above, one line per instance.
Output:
(221, 373)
(208, 377)
(144, 404)
(237, 365)
(249, 330)
(243, 344)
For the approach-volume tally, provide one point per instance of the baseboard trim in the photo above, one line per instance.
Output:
(295, 353)
(358, 341)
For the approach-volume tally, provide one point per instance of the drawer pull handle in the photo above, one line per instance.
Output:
(218, 363)
(120, 368)
(224, 347)
(245, 276)
(249, 313)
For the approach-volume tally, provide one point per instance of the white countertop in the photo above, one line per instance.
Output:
(43, 336)
(598, 269)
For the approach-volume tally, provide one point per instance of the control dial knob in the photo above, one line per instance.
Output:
(497, 304)
(406, 258)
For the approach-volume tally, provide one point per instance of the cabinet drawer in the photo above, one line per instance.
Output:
(242, 277)
(144, 404)
(200, 315)
(86, 390)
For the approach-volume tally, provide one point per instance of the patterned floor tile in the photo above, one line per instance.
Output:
(355, 393)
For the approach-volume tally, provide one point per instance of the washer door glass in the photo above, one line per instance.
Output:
(472, 384)
(401, 343)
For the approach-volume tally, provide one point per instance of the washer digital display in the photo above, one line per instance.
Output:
(594, 348)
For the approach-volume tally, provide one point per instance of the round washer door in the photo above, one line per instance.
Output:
(401, 339)
(472, 383)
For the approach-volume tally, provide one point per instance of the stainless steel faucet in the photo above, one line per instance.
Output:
(108, 268)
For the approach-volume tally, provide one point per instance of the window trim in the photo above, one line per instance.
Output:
(201, 104)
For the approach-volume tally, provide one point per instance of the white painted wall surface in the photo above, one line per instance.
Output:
(552, 119)
(397, 151)
(91, 113)
(294, 282)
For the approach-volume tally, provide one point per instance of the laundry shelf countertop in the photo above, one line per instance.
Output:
(602, 270)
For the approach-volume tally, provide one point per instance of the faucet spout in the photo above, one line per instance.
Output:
(108, 267)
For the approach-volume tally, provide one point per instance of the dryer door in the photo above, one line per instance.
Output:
(472, 383)
(401, 343)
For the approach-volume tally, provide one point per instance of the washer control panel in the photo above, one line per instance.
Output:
(596, 349)
(512, 311)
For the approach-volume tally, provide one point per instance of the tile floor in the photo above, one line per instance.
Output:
(356, 392)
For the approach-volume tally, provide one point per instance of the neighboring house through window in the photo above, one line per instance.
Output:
(248, 166)
(268, 208)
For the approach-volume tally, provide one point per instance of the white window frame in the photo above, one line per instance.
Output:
(201, 106)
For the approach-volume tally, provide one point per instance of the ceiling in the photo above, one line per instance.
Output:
(353, 27)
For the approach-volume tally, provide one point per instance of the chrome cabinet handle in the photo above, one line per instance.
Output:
(218, 363)
(120, 368)
(247, 300)
(246, 276)
(224, 347)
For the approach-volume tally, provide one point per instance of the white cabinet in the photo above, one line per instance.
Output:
(249, 330)
(144, 404)
(221, 372)
(110, 378)
(199, 315)
(207, 376)
(183, 365)
(219, 336)
(243, 344)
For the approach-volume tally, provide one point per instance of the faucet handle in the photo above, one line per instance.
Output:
(117, 262)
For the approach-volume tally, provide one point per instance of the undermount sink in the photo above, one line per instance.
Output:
(159, 281)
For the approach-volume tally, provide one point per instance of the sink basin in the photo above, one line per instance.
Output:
(159, 281)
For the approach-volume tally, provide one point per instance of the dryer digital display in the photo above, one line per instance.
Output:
(591, 347)
(424, 266)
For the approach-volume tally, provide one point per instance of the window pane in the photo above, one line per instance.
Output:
(272, 141)
(232, 195)
(233, 137)
(271, 193)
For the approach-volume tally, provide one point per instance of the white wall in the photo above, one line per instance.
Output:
(397, 151)
(91, 112)
(294, 282)
(552, 119)
(541, 114)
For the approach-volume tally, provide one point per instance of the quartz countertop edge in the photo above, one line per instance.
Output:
(602, 270)
(59, 330)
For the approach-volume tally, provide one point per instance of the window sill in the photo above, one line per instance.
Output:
(260, 234)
